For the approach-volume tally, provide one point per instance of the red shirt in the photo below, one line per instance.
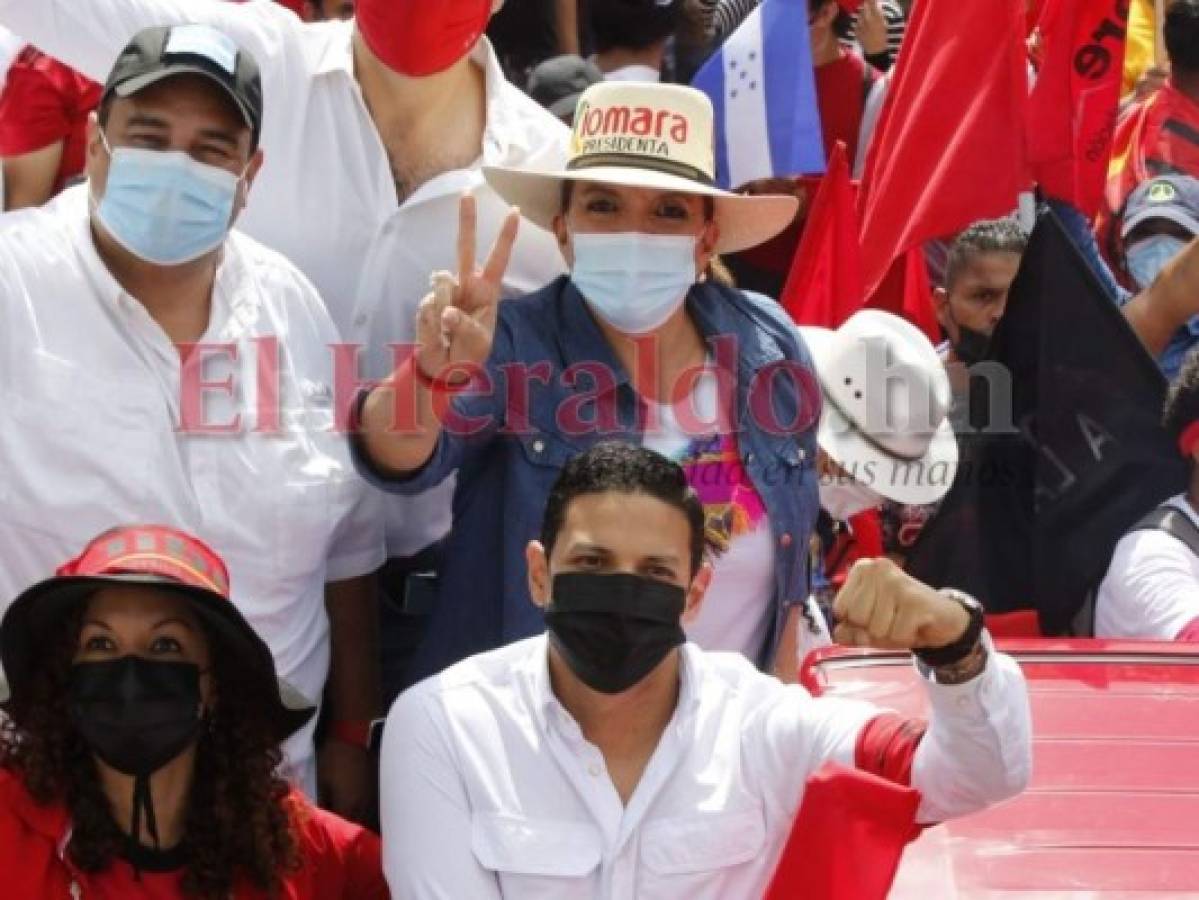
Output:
(841, 91)
(44, 102)
(339, 861)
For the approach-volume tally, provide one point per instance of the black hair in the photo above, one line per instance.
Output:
(986, 236)
(1182, 401)
(616, 467)
(844, 21)
(636, 24)
(1181, 32)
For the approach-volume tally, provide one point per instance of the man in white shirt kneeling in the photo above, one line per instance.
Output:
(609, 758)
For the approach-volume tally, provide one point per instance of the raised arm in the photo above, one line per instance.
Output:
(87, 35)
(1167, 304)
(455, 329)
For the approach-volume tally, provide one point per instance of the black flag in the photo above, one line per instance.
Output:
(1048, 483)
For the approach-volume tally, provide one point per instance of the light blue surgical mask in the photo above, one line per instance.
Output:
(1146, 258)
(634, 281)
(163, 206)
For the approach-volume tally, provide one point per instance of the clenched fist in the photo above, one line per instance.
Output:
(882, 606)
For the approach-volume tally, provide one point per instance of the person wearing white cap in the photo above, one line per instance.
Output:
(636, 344)
(884, 432)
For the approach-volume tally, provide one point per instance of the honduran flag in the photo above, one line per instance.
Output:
(762, 87)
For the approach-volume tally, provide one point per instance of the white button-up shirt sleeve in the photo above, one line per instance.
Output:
(426, 813)
(88, 35)
(977, 750)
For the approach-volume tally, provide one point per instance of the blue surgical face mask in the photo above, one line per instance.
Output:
(633, 281)
(163, 206)
(1148, 257)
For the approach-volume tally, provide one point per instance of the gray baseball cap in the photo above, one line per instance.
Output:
(1174, 198)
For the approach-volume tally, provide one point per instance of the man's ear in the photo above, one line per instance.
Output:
(941, 306)
(243, 191)
(696, 592)
(538, 564)
(96, 159)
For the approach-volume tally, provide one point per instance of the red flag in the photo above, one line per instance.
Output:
(949, 147)
(824, 286)
(906, 291)
(1073, 107)
(848, 837)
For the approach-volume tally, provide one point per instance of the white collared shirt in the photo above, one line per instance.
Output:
(490, 789)
(90, 386)
(1151, 590)
(326, 197)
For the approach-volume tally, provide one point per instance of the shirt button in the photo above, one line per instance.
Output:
(538, 446)
(359, 321)
(594, 770)
(802, 454)
(963, 702)
(785, 540)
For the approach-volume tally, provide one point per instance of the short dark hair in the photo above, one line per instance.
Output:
(841, 24)
(1182, 401)
(617, 467)
(1181, 31)
(985, 236)
(636, 24)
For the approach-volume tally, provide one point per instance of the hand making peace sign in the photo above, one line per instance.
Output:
(456, 321)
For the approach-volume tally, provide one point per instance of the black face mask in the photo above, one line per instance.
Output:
(972, 345)
(613, 630)
(137, 715)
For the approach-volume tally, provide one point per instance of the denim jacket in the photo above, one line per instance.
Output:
(511, 441)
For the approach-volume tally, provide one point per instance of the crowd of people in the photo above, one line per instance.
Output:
(413, 485)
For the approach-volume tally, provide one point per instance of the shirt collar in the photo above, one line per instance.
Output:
(536, 676)
(504, 141)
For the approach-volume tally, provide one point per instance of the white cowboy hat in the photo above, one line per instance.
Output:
(886, 405)
(656, 136)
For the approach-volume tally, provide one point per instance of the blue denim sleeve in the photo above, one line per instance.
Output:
(470, 424)
(1079, 229)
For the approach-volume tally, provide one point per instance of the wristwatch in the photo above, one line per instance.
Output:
(951, 654)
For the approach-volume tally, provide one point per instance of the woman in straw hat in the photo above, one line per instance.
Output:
(139, 754)
(637, 343)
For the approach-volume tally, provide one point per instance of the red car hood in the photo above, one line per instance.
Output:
(1113, 808)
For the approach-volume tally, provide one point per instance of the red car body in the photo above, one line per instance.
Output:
(1113, 808)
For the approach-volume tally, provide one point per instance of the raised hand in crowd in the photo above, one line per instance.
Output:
(456, 320)
(871, 28)
(455, 325)
(882, 606)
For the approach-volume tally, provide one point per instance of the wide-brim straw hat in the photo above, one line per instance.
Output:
(654, 136)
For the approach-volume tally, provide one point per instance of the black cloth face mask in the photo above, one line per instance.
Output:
(137, 715)
(613, 630)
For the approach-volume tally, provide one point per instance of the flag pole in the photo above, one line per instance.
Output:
(1159, 40)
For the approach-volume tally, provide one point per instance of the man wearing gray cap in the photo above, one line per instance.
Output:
(1160, 219)
(156, 366)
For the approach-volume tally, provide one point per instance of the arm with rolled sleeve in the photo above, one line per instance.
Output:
(424, 808)
(88, 35)
(976, 751)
